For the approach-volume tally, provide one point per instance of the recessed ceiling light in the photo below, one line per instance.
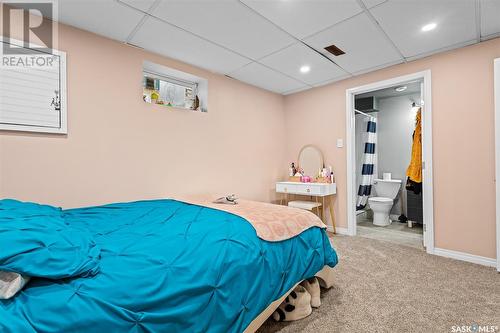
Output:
(400, 89)
(429, 27)
(305, 69)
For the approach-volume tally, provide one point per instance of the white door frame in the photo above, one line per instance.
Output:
(427, 190)
(497, 152)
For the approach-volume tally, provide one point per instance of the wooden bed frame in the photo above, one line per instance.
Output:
(325, 278)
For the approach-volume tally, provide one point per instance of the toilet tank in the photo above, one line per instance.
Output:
(387, 188)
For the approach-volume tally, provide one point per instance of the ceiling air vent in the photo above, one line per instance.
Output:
(334, 50)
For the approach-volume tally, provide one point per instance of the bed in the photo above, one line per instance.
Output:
(169, 266)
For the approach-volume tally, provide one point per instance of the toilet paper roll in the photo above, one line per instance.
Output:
(387, 176)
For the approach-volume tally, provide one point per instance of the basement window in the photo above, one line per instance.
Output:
(169, 87)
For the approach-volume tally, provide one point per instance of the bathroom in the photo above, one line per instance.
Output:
(389, 203)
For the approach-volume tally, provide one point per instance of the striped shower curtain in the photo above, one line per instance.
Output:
(369, 160)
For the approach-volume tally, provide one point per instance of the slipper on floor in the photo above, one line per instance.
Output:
(296, 306)
(312, 287)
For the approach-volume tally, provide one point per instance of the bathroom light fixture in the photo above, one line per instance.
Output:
(305, 69)
(429, 27)
(401, 88)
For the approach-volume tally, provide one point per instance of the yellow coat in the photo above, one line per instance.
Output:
(414, 171)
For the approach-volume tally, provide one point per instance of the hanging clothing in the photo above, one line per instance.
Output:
(414, 171)
(369, 160)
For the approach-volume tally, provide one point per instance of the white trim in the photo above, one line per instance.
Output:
(426, 150)
(64, 92)
(497, 153)
(465, 257)
(339, 230)
(351, 162)
(170, 79)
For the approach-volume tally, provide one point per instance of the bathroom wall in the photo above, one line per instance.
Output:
(119, 148)
(463, 140)
(395, 126)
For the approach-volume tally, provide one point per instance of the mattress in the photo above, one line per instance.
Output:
(168, 266)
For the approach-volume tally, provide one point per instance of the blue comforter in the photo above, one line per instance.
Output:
(167, 266)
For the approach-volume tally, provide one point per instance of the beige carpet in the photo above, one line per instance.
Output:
(385, 287)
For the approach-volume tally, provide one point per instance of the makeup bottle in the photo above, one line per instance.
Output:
(324, 173)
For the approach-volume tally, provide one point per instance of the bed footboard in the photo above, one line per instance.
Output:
(325, 278)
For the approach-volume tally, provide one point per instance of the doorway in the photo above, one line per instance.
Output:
(421, 82)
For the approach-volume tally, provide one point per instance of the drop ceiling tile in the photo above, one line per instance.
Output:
(100, 17)
(365, 46)
(303, 18)
(490, 17)
(403, 20)
(373, 3)
(266, 78)
(178, 44)
(376, 68)
(290, 60)
(143, 5)
(324, 83)
(226, 22)
(444, 49)
(296, 90)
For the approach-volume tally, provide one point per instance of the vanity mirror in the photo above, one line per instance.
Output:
(310, 160)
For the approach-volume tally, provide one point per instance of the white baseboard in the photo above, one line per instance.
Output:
(472, 258)
(339, 230)
(465, 257)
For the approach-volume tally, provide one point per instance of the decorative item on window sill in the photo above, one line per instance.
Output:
(196, 103)
(173, 88)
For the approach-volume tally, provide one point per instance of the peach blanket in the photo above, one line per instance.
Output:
(272, 222)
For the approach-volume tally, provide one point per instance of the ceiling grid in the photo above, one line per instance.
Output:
(265, 43)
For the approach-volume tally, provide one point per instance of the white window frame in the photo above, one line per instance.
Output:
(170, 79)
(63, 129)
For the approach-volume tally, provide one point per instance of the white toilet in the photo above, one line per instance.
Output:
(381, 205)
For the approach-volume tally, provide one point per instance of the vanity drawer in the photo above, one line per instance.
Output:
(285, 188)
(308, 189)
(315, 189)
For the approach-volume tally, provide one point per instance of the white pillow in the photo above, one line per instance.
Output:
(11, 283)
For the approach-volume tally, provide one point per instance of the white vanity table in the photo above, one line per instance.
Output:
(319, 191)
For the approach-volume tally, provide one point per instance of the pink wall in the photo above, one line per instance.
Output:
(463, 134)
(120, 148)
